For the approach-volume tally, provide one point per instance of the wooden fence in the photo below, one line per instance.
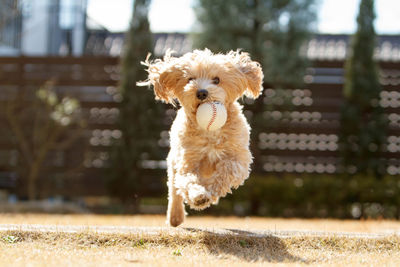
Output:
(301, 138)
(304, 138)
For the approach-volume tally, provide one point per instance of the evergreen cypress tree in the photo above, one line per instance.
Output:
(139, 118)
(363, 123)
(272, 31)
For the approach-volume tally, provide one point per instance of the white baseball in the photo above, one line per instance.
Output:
(211, 116)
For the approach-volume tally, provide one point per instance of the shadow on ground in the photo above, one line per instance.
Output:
(247, 246)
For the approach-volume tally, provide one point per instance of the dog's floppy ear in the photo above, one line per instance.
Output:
(164, 76)
(252, 72)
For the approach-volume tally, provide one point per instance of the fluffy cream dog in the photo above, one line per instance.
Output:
(203, 166)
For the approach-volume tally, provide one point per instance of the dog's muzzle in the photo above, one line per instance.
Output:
(201, 94)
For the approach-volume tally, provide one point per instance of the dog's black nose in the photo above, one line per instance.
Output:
(202, 94)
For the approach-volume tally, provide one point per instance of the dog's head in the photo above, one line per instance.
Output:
(201, 76)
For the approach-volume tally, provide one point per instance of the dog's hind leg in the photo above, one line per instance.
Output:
(176, 208)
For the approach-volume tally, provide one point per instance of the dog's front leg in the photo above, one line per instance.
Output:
(229, 173)
(193, 191)
(176, 208)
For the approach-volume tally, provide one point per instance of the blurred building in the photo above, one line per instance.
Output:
(10, 27)
(42, 27)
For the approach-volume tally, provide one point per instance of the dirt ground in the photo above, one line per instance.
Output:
(244, 223)
(191, 247)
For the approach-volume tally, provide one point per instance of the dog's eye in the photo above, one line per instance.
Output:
(190, 79)
(215, 80)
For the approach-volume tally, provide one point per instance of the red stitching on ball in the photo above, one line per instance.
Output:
(214, 115)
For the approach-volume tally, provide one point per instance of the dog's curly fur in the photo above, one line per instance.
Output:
(203, 166)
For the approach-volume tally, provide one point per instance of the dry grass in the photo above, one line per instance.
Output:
(195, 247)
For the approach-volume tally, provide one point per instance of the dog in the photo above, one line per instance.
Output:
(202, 165)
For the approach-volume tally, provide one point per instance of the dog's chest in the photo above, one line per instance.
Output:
(202, 151)
(212, 151)
(213, 147)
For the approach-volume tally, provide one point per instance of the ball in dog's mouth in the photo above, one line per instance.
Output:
(211, 116)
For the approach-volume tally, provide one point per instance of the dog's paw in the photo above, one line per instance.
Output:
(175, 217)
(198, 197)
(201, 200)
(200, 203)
(175, 221)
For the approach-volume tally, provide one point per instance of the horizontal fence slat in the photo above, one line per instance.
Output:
(56, 60)
(40, 83)
(317, 63)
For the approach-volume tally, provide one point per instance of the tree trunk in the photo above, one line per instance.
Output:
(31, 188)
(32, 179)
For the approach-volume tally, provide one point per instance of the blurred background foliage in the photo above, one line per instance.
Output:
(272, 31)
(363, 121)
(314, 195)
(39, 125)
(139, 116)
